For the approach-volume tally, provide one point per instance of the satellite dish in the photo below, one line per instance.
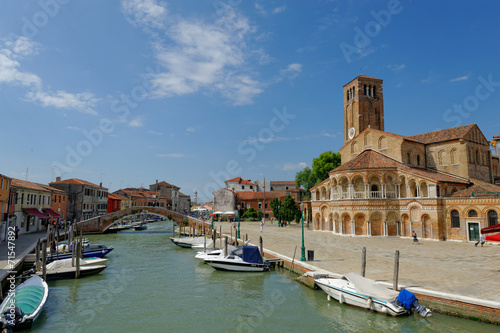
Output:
(352, 133)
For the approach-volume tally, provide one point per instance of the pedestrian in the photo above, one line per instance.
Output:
(414, 234)
(262, 225)
(17, 232)
(481, 239)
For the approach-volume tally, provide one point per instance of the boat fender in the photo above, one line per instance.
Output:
(368, 303)
(341, 298)
(328, 297)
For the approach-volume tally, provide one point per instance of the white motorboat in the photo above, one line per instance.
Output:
(217, 253)
(244, 259)
(359, 291)
(83, 262)
(21, 308)
(191, 242)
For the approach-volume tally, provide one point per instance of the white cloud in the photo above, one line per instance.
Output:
(278, 10)
(396, 67)
(461, 78)
(171, 155)
(209, 58)
(147, 13)
(191, 129)
(136, 122)
(260, 9)
(73, 128)
(292, 71)
(294, 166)
(155, 133)
(23, 46)
(84, 102)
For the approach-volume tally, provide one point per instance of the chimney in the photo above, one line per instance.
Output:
(58, 179)
(100, 184)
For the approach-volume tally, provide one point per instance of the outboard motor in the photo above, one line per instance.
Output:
(408, 300)
(12, 317)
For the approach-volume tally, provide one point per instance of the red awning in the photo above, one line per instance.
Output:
(52, 213)
(35, 212)
(491, 229)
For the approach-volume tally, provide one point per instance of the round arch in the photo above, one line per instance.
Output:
(377, 225)
(359, 224)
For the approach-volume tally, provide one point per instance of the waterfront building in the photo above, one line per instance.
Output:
(258, 195)
(85, 199)
(59, 204)
(439, 184)
(184, 203)
(143, 197)
(5, 183)
(32, 201)
(114, 202)
(170, 192)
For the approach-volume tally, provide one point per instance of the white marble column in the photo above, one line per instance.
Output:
(408, 191)
(367, 190)
(368, 228)
(384, 190)
(419, 193)
(385, 228)
(350, 191)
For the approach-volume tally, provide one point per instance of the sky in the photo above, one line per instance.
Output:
(198, 92)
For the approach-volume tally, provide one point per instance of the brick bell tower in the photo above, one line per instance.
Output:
(363, 106)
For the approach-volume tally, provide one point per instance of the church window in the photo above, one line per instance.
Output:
(354, 147)
(381, 142)
(441, 157)
(408, 158)
(453, 156)
(478, 157)
(353, 92)
(374, 92)
(418, 159)
(455, 219)
(472, 213)
(347, 95)
(492, 218)
(364, 89)
(366, 139)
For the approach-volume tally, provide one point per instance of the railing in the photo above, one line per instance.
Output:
(376, 194)
(345, 195)
(359, 195)
(390, 194)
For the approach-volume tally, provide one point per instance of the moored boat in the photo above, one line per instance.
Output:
(89, 251)
(356, 290)
(191, 242)
(22, 308)
(245, 258)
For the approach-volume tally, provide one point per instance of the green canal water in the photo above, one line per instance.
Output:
(151, 285)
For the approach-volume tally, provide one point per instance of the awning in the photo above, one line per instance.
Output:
(491, 229)
(35, 212)
(52, 213)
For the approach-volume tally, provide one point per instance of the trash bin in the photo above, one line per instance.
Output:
(310, 255)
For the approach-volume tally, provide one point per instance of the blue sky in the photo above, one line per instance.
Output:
(194, 92)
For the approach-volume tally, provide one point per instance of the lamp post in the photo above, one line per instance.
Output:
(238, 236)
(303, 249)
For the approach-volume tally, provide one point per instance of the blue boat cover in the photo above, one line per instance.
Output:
(250, 254)
(406, 298)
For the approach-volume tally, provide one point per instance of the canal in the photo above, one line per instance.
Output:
(151, 285)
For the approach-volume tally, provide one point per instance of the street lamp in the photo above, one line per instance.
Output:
(238, 236)
(303, 249)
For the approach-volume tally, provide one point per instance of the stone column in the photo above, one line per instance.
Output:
(368, 228)
(384, 189)
(350, 191)
(353, 227)
(408, 191)
(332, 193)
(313, 196)
(398, 190)
(341, 225)
(339, 191)
(385, 228)
(367, 190)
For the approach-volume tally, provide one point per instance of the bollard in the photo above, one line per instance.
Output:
(396, 271)
(363, 262)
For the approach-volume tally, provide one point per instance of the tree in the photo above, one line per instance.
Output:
(289, 209)
(321, 165)
(275, 206)
(251, 214)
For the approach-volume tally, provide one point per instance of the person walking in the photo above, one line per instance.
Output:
(414, 235)
(480, 240)
(262, 225)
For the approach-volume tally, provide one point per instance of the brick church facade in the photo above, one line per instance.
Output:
(438, 184)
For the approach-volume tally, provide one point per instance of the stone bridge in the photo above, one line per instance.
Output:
(102, 223)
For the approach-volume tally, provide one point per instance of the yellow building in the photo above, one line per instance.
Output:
(31, 201)
(438, 184)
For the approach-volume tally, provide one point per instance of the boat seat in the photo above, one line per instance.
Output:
(28, 298)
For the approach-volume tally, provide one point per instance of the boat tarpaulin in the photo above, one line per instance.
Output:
(406, 298)
(35, 212)
(249, 254)
(491, 229)
(371, 288)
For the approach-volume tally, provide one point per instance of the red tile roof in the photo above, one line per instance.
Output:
(479, 189)
(118, 196)
(183, 195)
(443, 135)
(283, 182)
(371, 159)
(28, 185)
(52, 189)
(165, 184)
(78, 182)
(497, 136)
(240, 180)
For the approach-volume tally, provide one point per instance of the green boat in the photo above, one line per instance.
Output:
(21, 308)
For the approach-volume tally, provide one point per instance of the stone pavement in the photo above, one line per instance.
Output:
(457, 268)
(23, 245)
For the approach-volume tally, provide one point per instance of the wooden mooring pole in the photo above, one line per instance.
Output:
(37, 255)
(363, 262)
(261, 246)
(225, 247)
(44, 262)
(396, 271)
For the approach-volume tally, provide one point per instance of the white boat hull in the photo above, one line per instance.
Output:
(344, 292)
(236, 267)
